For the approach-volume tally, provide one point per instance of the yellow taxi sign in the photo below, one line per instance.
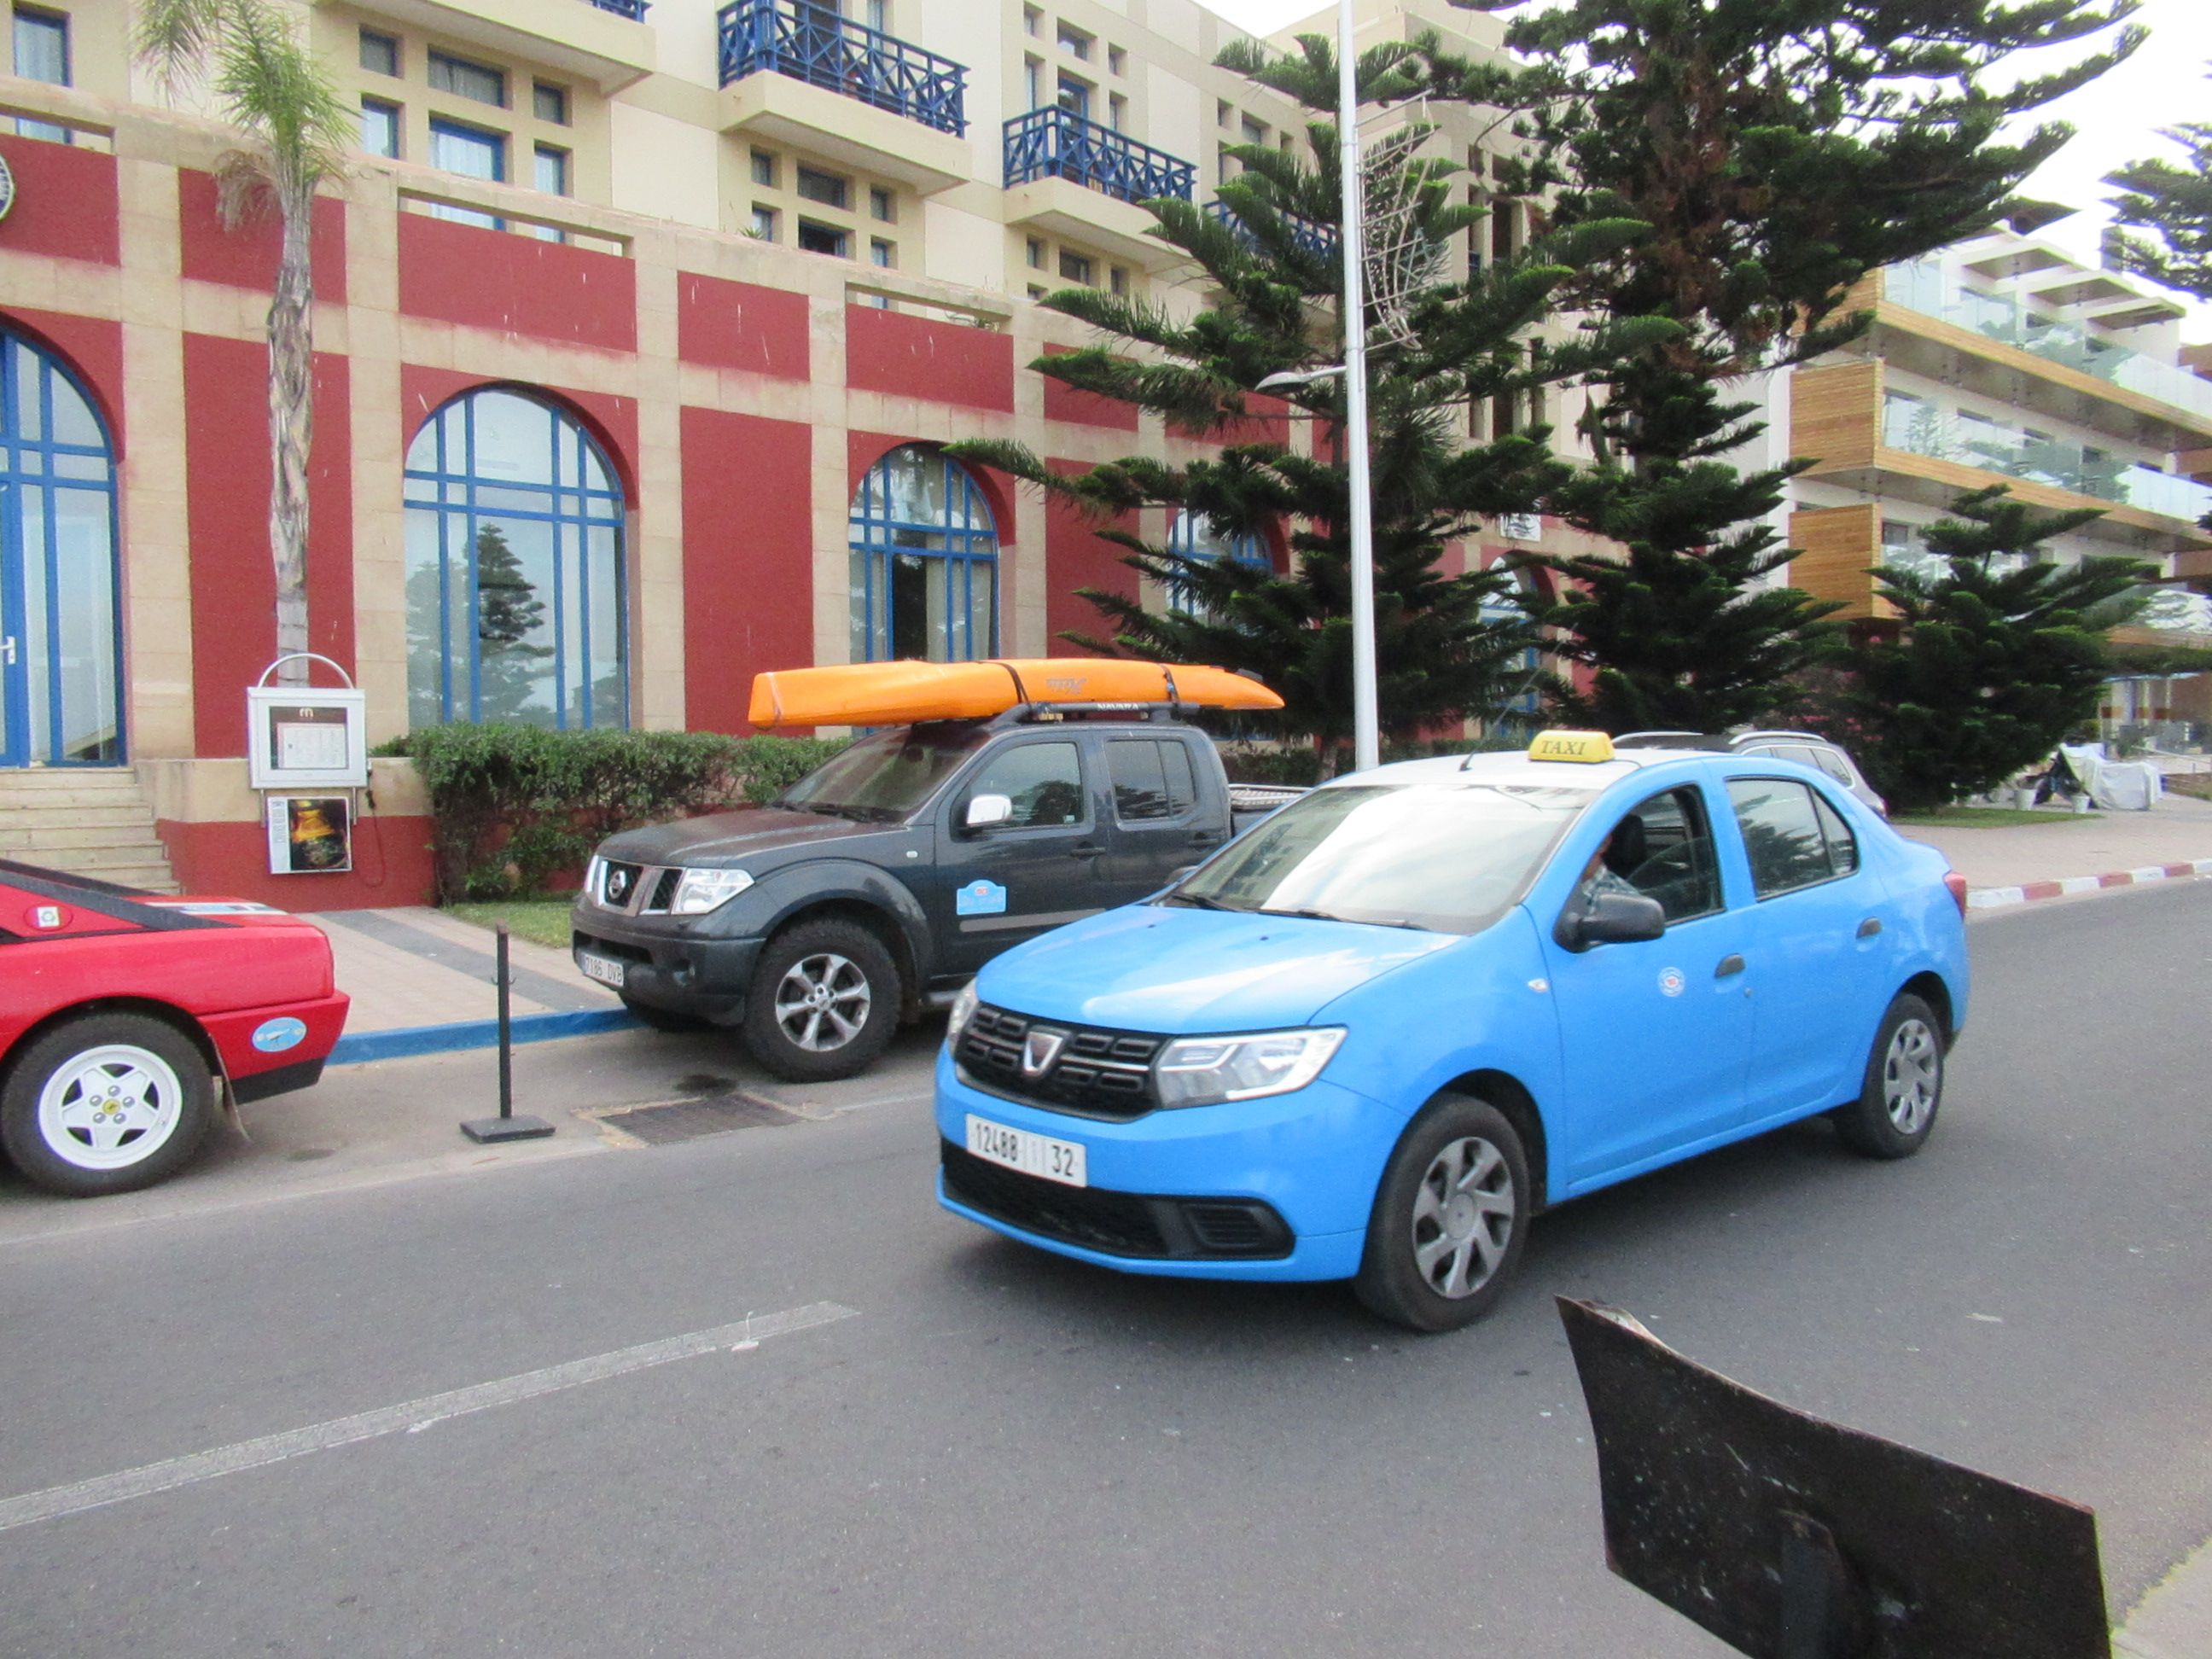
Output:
(1587, 747)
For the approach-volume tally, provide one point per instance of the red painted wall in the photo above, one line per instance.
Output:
(92, 347)
(247, 257)
(392, 865)
(514, 285)
(1066, 403)
(741, 325)
(612, 420)
(1075, 556)
(234, 587)
(65, 202)
(748, 559)
(924, 357)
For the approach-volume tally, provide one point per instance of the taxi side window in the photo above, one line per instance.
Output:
(1044, 781)
(1152, 780)
(1664, 850)
(1792, 837)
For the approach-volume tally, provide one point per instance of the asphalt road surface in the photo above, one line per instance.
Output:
(948, 1444)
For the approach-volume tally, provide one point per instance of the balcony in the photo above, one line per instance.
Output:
(606, 42)
(799, 74)
(1920, 428)
(1317, 240)
(1071, 178)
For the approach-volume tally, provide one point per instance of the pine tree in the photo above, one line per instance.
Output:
(1999, 653)
(512, 682)
(1448, 645)
(2174, 202)
(1779, 154)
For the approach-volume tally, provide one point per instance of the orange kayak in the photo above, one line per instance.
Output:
(900, 693)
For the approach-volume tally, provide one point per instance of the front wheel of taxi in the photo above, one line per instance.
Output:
(1449, 1218)
(104, 1102)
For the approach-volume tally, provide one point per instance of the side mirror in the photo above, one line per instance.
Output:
(1611, 919)
(984, 810)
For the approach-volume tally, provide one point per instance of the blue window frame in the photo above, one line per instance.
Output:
(1521, 704)
(61, 673)
(1196, 536)
(42, 53)
(925, 562)
(473, 153)
(517, 601)
(380, 127)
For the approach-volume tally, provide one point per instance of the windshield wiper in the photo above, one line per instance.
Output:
(1304, 915)
(1197, 901)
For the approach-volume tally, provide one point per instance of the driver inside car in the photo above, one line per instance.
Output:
(1621, 851)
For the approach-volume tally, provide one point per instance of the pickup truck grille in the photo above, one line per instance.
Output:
(1092, 1073)
(634, 889)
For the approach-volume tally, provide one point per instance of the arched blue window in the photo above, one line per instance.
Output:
(925, 562)
(1196, 536)
(516, 602)
(61, 681)
(1522, 699)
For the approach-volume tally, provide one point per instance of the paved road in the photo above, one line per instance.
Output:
(1000, 1453)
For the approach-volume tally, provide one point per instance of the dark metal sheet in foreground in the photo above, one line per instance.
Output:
(1711, 1493)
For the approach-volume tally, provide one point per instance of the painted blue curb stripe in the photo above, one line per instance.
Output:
(411, 1040)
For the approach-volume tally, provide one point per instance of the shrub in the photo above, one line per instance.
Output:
(515, 808)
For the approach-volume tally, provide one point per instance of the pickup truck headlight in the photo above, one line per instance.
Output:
(1204, 1071)
(702, 891)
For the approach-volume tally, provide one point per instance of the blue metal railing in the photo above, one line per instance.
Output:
(1317, 240)
(633, 10)
(1058, 144)
(810, 42)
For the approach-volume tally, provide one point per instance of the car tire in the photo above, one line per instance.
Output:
(106, 1103)
(1450, 1219)
(812, 982)
(662, 1019)
(1903, 1086)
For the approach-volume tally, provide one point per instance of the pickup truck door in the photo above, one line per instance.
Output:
(997, 886)
(1167, 811)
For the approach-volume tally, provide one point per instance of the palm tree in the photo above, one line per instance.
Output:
(276, 92)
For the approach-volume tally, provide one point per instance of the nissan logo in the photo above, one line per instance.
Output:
(618, 885)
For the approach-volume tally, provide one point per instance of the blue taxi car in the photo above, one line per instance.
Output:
(1377, 1034)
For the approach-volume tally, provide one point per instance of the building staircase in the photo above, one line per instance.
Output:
(87, 821)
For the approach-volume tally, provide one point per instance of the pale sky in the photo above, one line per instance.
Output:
(2115, 117)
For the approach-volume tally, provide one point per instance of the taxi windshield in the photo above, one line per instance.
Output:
(1443, 858)
(884, 777)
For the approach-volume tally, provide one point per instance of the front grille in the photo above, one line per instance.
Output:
(618, 884)
(1115, 1224)
(663, 891)
(1095, 1072)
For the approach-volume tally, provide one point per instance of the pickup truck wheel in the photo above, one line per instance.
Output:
(1449, 1218)
(106, 1103)
(824, 1001)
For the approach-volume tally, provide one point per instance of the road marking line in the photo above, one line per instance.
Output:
(412, 1416)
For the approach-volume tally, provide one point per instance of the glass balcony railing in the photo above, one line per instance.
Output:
(807, 40)
(633, 10)
(1058, 144)
(1920, 428)
(1315, 239)
(1922, 286)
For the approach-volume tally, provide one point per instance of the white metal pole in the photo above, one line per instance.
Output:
(1366, 747)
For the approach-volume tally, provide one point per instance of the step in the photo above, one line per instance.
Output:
(73, 800)
(48, 814)
(66, 837)
(31, 780)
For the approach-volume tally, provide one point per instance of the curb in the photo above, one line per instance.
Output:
(2174, 1618)
(406, 1042)
(1994, 898)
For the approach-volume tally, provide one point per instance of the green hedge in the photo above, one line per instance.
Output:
(518, 809)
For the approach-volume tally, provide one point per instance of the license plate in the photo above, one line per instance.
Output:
(604, 970)
(1037, 1155)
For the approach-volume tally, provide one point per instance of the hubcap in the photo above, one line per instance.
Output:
(1911, 1075)
(1463, 1217)
(822, 1001)
(110, 1108)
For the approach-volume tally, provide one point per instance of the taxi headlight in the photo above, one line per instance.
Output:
(963, 1006)
(702, 891)
(1202, 1071)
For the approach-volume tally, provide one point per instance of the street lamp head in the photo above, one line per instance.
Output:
(1286, 379)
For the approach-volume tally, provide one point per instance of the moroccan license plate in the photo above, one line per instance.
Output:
(1018, 1149)
(605, 969)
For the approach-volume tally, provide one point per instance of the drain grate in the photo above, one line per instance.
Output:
(689, 1119)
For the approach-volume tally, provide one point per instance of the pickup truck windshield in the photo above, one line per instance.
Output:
(1447, 858)
(885, 777)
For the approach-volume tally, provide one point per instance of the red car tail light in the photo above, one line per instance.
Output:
(1957, 885)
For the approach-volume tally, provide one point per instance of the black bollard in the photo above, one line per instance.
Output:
(506, 1126)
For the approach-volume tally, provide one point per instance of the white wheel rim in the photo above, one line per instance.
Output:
(822, 1002)
(111, 1106)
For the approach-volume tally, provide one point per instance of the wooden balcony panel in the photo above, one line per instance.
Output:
(1835, 415)
(1838, 548)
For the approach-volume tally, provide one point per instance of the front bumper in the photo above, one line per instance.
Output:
(1313, 1159)
(666, 968)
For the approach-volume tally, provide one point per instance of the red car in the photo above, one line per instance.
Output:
(125, 1016)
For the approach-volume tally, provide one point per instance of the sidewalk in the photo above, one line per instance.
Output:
(2069, 853)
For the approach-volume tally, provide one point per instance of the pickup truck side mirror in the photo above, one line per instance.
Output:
(1611, 919)
(984, 810)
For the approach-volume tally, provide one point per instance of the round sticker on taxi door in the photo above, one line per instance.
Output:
(1671, 981)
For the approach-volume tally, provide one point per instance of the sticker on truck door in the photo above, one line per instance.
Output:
(980, 898)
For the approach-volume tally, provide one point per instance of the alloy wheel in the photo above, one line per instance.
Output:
(111, 1106)
(822, 1001)
(1463, 1215)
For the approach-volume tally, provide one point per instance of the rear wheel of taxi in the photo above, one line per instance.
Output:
(1895, 1111)
(824, 1001)
(1450, 1219)
(106, 1103)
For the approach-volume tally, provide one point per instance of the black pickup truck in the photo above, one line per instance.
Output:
(878, 885)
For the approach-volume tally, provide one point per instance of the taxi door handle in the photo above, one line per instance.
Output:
(1870, 926)
(1730, 965)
